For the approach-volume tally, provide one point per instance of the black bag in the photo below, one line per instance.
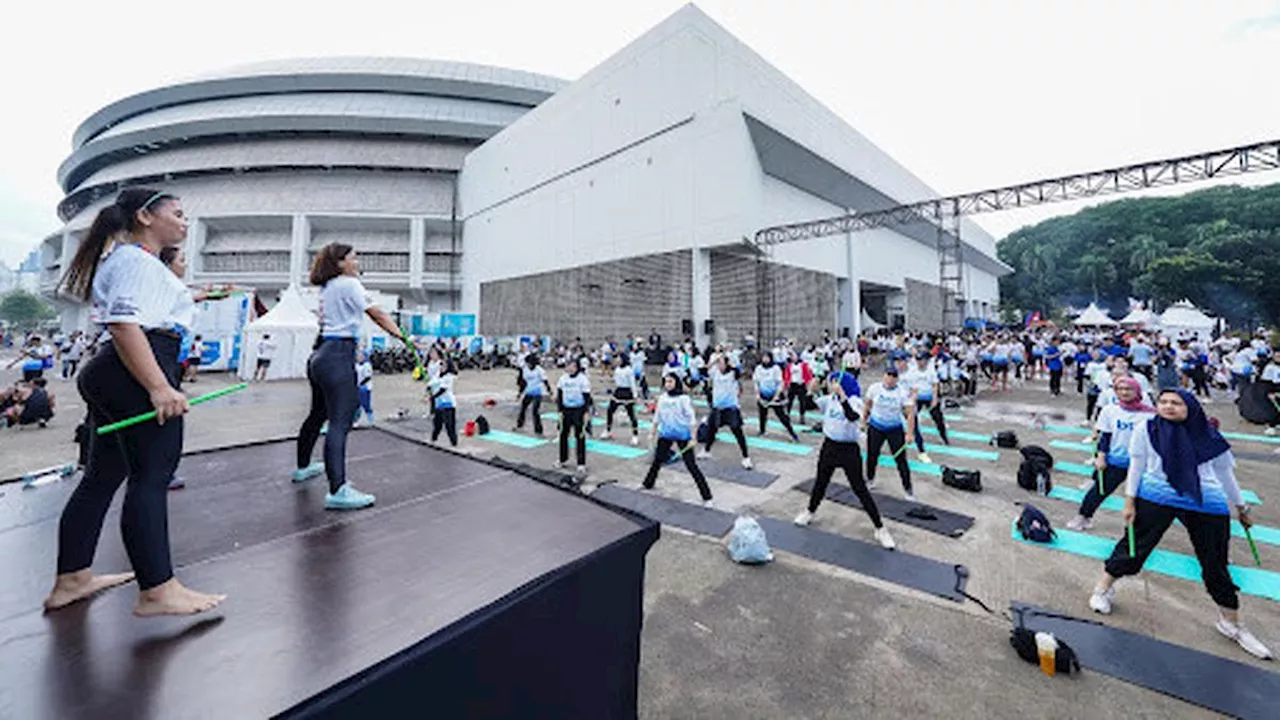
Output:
(1024, 643)
(703, 434)
(1004, 439)
(968, 480)
(482, 425)
(1036, 471)
(1033, 525)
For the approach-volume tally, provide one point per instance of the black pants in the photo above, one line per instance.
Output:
(660, 455)
(1147, 370)
(1104, 485)
(1199, 380)
(847, 457)
(730, 417)
(798, 392)
(935, 412)
(896, 438)
(69, 368)
(571, 419)
(1080, 378)
(1055, 382)
(331, 370)
(445, 419)
(644, 386)
(624, 398)
(1210, 536)
(534, 402)
(145, 455)
(1090, 403)
(782, 416)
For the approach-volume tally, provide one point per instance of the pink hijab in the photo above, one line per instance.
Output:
(1136, 404)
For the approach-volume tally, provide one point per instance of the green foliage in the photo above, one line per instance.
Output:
(25, 311)
(1219, 248)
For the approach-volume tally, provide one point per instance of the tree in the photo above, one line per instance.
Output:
(25, 311)
(1095, 269)
(1143, 250)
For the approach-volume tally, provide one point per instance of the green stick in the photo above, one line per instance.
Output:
(144, 417)
(404, 335)
(1133, 552)
(1248, 535)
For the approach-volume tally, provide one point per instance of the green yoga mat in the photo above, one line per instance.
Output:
(1084, 447)
(620, 422)
(991, 455)
(886, 461)
(626, 452)
(1261, 533)
(1067, 430)
(1250, 580)
(958, 435)
(512, 439)
(1251, 438)
(788, 448)
(1083, 470)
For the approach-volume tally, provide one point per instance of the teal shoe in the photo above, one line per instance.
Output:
(347, 498)
(302, 475)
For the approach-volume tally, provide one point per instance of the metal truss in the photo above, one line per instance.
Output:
(1241, 160)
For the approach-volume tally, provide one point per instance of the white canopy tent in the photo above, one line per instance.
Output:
(1094, 317)
(1141, 318)
(293, 330)
(1182, 319)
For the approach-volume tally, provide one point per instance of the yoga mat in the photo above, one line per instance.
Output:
(1261, 533)
(604, 447)
(916, 466)
(1084, 447)
(693, 518)
(958, 435)
(620, 422)
(731, 473)
(963, 452)
(512, 439)
(1250, 580)
(1067, 430)
(1252, 438)
(936, 578)
(947, 523)
(1232, 688)
(788, 448)
(1074, 468)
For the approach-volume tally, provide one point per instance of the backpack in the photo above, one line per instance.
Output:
(1034, 525)
(704, 433)
(1004, 439)
(968, 480)
(482, 425)
(1024, 643)
(1035, 472)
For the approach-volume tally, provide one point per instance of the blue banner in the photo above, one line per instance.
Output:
(457, 325)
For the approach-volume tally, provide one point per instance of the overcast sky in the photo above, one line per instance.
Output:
(967, 94)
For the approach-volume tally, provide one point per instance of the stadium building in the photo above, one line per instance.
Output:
(617, 203)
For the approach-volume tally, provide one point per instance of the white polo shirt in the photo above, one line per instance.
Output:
(133, 287)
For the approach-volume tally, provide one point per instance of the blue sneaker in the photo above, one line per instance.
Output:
(302, 475)
(347, 498)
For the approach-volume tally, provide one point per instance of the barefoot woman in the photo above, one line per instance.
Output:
(144, 307)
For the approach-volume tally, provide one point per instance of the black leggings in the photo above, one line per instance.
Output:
(847, 457)
(782, 416)
(146, 455)
(1210, 536)
(660, 455)
(731, 417)
(935, 412)
(1103, 485)
(1079, 377)
(1055, 382)
(526, 402)
(1090, 404)
(622, 398)
(571, 422)
(445, 419)
(331, 370)
(896, 438)
(798, 392)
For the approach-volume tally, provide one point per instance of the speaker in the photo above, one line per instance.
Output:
(709, 326)
(686, 326)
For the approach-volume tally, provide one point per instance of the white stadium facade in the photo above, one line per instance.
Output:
(607, 206)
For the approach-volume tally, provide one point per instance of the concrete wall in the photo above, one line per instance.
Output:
(618, 298)
(802, 305)
(924, 305)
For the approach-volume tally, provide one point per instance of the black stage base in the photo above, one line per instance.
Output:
(468, 592)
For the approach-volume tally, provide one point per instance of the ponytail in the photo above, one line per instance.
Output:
(120, 216)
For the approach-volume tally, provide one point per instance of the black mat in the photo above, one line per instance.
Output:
(1226, 686)
(895, 566)
(675, 513)
(730, 473)
(468, 589)
(948, 523)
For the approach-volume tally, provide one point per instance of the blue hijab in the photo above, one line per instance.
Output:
(1183, 446)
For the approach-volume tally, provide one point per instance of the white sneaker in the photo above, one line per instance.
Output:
(1271, 431)
(558, 465)
(1243, 638)
(1079, 523)
(746, 463)
(608, 436)
(924, 458)
(709, 504)
(582, 471)
(1101, 601)
(908, 496)
(804, 518)
(886, 540)
(871, 483)
(635, 440)
(703, 455)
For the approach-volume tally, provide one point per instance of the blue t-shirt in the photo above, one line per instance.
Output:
(1053, 357)
(1141, 354)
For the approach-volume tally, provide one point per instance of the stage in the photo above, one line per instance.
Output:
(468, 591)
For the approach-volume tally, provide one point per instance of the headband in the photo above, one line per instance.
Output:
(152, 199)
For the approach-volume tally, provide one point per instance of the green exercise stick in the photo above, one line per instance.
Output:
(1133, 551)
(1248, 535)
(144, 417)
(404, 337)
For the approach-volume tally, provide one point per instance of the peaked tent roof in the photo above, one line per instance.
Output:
(1140, 316)
(1183, 314)
(1092, 316)
(290, 312)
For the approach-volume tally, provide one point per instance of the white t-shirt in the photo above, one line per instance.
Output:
(673, 416)
(834, 423)
(724, 389)
(364, 374)
(534, 380)
(851, 360)
(445, 383)
(1120, 423)
(133, 287)
(574, 389)
(343, 302)
(266, 349)
(768, 380)
(922, 381)
(887, 406)
(624, 378)
(1271, 373)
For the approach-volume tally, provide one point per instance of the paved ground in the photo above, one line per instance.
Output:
(801, 639)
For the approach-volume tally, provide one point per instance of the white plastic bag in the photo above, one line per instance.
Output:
(747, 542)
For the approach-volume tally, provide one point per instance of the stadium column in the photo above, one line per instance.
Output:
(196, 234)
(417, 246)
(852, 289)
(299, 262)
(701, 294)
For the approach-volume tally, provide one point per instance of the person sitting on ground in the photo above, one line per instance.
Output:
(31, 404)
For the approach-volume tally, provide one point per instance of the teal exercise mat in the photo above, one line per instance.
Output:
(1067, 430)
(991, 455)
(512, 439)
(621, 424)
(1252, 438)
(886, 461)
(1084, 447)
(760, 443)
(1074, 468)
(609, 449)
(1261, 533)
(958, 435)
(1251, 581)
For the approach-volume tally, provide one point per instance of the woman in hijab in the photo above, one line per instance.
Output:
(1180, 467)
(1116, 423)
